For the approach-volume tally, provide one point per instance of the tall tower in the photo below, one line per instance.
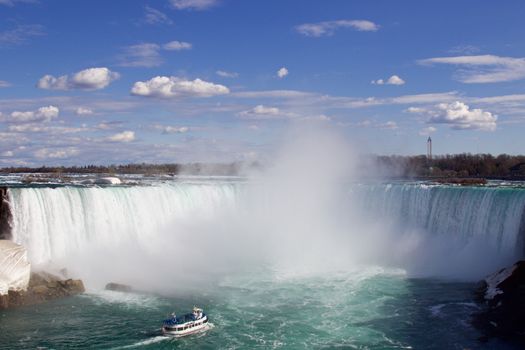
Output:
(429, 148)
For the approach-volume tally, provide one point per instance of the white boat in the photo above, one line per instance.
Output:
(187, 324)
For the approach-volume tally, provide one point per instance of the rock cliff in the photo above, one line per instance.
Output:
(503, 297)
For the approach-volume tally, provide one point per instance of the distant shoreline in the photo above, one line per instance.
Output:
(449, 166)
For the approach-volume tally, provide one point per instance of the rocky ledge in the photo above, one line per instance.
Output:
(503, 297)
(42, 287)
(21, 286)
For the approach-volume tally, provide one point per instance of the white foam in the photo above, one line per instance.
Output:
(495, 279)
(150, 341)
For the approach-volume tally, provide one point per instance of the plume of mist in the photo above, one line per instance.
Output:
(296, 216)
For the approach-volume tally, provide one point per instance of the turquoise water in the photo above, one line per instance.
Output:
(204, 243)
(371, 308)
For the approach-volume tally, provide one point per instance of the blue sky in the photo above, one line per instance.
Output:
(222, 80)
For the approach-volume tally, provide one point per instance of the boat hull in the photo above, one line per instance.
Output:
(181, 330)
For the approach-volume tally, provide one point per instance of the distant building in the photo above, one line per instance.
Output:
(429, 148)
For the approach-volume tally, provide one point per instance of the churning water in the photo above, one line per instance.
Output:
(366, 266)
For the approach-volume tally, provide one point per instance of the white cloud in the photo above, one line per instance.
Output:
(172, 129)
(93, 78)
(415, 110)
(125, 136)
(225, 74)
(162, 86)
(49, 82)
(261, 112)
(4, 84)
(177, 46)
(109, 125)
(154, 16)
(483, 68)
(390, 125)
(141, 55)
(55, 130)
(282, 72)
(328, 28)
(83, 111)
(87, 79)
(13, 2)
(393, 80)
(21, 34)
(46, 153)
(193, 4)
(7, 154)
(274, 94)
(43, 114)
(427, 131)
(464, 49)
(459, 116)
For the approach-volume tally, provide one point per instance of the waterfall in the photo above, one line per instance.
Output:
(469, 226)
(493, 214)
(50, 222)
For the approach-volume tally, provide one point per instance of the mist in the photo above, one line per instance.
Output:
(297, 217)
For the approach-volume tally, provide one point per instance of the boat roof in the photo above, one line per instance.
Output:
(181, 319)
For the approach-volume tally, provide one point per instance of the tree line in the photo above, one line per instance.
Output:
(464, 165)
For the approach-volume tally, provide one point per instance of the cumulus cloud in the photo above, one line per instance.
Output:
(87, 79)
(328, 28)
(393, 80)
(166, 87)
(125, 136)
(4, 84)
(83, 111)
(177, 46)
(459, 116)
(154, 16)
(43, 114)
(7, 154)
(193, 4)
(225, 74)
(483, 68)
(282, 72)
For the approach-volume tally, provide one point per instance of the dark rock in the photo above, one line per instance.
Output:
(42, 287)
(503, 297)
(117, 287)
(5, 215)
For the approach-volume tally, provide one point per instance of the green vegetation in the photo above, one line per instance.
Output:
(143, 168)
(454, 166)
(463, 165)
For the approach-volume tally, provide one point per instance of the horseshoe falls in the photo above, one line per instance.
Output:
(359, 265)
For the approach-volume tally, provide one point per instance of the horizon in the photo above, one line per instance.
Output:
(222, 81)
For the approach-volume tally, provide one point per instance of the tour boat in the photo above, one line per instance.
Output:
(187, 324)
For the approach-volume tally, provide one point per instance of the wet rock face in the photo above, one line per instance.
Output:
(42, 287)
(5, 215)
(503, 295)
